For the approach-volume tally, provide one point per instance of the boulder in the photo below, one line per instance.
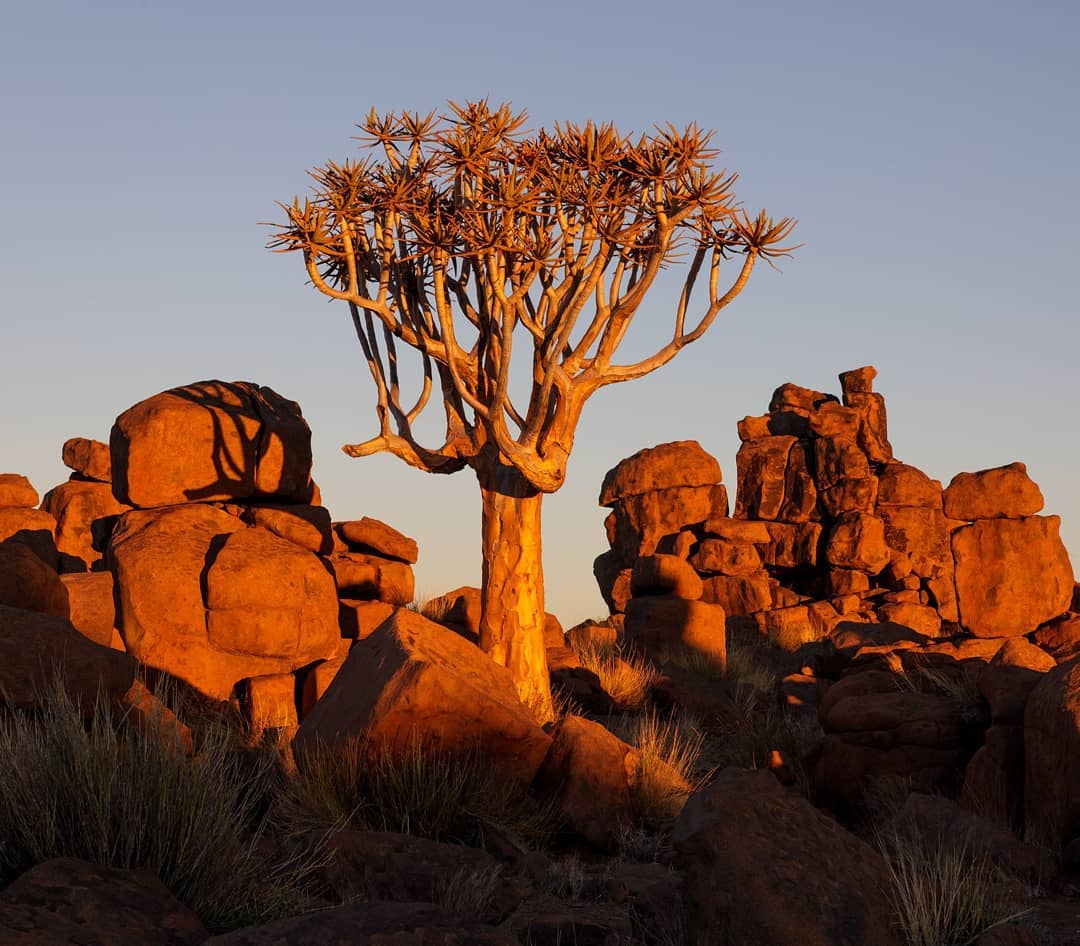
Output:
(640, 522)
(903, 485)
(27, 582)
(1060, 637)
(793, 397)
(17, 491)
(919, 617)
(33, 528)
(64, 902)
(832, 420)
(792, 544)
(664, 575)
(858, 380)
(85, 514)
(791, 627)
(663, 625)
(857, 541)
(306, 526)
(994, 778)
(1011, 575)
(587, 776)
(763, 866)
(682, 463)
(33, 646)
(762, 471)
(850, 495)
(413, 679)
(1052, 757)
(88, 458)
(873, 437)
(357, 619)
(1005, 492)
(738, 530)
(836, 459)
(375, 537)
(613, 581)
(800, 493)
(738, 595)
(373, 578)
(724, 557)
(212, 601)
(209, 441)
(921, 533)
(270, 703)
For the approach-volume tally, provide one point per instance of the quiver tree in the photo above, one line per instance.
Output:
(463, 236)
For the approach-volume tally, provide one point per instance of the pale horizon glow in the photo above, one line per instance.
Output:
(928, 151)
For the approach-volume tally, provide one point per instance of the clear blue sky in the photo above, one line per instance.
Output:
(928, 149)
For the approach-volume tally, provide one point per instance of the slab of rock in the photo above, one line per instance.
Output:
(922, 534)
(33, 528)
(833, 420)
(1011, 575)
(792, 544)
(793, 396)
(374, 536)
(873, 438)
(306, 526)
(763, 866)
(1060, 637)
(413, 679)
(836, 459)
(587, 775)
(1005, 492)
(208, 441)
(67, 902)
(91, 603)
(857, 541)
(762, 471)
(1052, 757)
(374, 578)
(27, 582)
(89, 458)
(800, 491)
(738, 530)
(33, 645)
(738, 595)
(919, 617)
(17, 491)
(85, 514)
(904, 485)
(681, 463)
(212, 601)
(724, 557)
(850, 495)
(858, 380)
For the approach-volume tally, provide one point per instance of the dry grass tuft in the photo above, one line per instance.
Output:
(626, 678)
(470, 892)
(958, 683)
(667, 769)
(943, 894)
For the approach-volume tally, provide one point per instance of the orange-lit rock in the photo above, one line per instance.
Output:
(682, 463)
(1005, 492)
(836, 459)
(850, 495)
(922, 534)
(372, 536)
(793, 397)
(857, 541)
(27, 582)
(1059, 637)
(17, 491)
(32, 528)
(413, 680)
(368, 576)
(792, 545)
(587, 775)
(903, 485)
(738, 530)
(833, 420)
(306, 526)
(752, 853)
(800, 492)
(613, 580)
(88, 458)
(1011, 575)
(213, 601)
(873, 437)
(211, 440)
(664, 575)
(724, 557)
(93, 609)
(641, 521)
(33, 645)
(85, 513)
(919, 617)
(738, 595)
(357, 619)
(762, 472)
(270, 703)
(664, 625)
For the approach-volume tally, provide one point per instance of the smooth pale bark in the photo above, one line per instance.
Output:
(512, 588)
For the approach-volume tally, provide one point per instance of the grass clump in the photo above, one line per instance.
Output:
(669, 751)
(118, 796)
(942, 892)
(626, 678)
(415, 790)
(959, 683)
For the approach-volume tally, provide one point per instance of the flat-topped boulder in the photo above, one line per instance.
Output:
(681, 463)
(1005, 492)
(212, 440)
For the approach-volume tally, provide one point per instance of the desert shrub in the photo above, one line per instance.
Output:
(762, 729)
(416, 790)
(117, 796)
(942, 892)
(669, 752)
(959, 683)
(470, 891)
(625, 677)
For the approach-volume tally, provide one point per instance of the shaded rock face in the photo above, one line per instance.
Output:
(211, 441)
(763, 866)
(85, 514)
(67, 901)
(27, 582)
(413, 679)
(213, 601)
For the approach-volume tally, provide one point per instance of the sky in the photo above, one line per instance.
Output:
(929, 151)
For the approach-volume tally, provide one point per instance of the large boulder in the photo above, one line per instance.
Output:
(17, 491)
(85, 514)
(67, 902)
(1005, 492)
(33, 528)
(35, 647)
(682, 463)
(211, 440)
(376, 537)
(415, 680)
(213, 601)
(88, 458)
(1011, 575)
(1052, 757)
(92, 606)
(638, 523)
(762, 477)
(763, 866)
(27, 582)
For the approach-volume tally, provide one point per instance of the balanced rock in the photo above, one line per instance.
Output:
(1011, 575)
(213, 601)
(682, 463)
(88, 458)
(665, 575)
(1005, 492)
(415, 680)
(209, 441)
(375, 537)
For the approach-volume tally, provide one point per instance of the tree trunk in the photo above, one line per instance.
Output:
(512, 588)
